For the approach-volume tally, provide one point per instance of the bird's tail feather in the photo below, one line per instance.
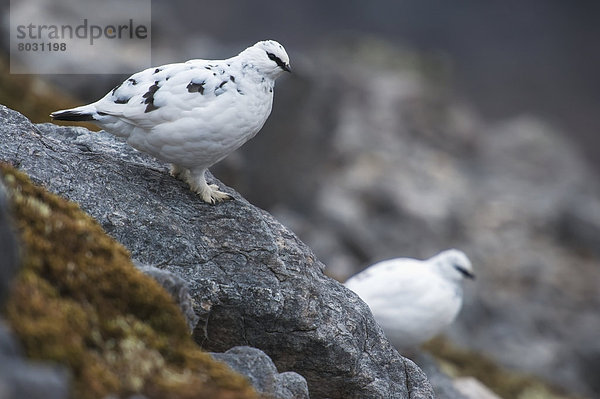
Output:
(84, 113)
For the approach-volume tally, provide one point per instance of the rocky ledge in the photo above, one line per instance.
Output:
(251, 281)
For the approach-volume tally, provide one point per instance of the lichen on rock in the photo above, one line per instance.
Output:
(79, 301)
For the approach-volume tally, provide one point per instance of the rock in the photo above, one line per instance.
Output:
(579, 223)
(20, 378)
(9, 348)
(590, 366)
(8, 246)
(443, 386)
(253, 282)
(290, 385)
(418, 384)
(176, 287)
(263, 375)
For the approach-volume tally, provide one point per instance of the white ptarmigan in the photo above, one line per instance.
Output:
(411, 299)
(192, 114)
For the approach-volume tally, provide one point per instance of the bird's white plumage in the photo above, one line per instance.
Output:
(413, 300)
(192, 114)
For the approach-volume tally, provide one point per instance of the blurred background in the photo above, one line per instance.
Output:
(409, 127)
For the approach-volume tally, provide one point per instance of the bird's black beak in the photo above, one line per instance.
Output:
(286, 67)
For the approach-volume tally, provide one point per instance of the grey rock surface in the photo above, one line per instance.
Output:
(20, 379)
(252, 280)
(176, 287)
(9, 347)
(290, 385)
(262, 373)
(8, 246)
(443, 386)
(579, 223)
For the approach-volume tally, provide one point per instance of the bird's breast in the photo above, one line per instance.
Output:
(203, 135)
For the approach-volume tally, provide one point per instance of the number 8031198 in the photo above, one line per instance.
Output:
(42, 46)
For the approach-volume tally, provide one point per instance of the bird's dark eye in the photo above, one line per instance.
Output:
(277, 60)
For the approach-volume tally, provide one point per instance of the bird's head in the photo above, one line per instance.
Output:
(455, 264)
(269, 57)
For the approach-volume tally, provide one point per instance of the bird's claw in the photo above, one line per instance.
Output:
(214, 196)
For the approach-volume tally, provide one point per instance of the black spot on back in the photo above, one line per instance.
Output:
(232, 78)
(149, 96)
(151, 90)
(196, 87)
(133, 81)
(219, 89)
(150, 107)
(122, 100)
(157, 70)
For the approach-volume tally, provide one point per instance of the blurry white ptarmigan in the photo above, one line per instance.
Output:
(192, 114)
(413, 300)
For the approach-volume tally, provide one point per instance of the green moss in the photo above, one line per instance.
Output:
(79, 301)
(508, 384)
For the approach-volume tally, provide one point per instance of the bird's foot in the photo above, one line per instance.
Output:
(208, 192)
(180, 173)
(215, 195)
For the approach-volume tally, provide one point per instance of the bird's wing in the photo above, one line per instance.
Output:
(388, 278)
(168, 92)
(410, 280)
(411, 285)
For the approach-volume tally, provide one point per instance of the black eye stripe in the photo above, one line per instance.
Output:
(277, 60)
(464, 272)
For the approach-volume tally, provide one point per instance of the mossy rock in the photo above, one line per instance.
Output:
(79, 301)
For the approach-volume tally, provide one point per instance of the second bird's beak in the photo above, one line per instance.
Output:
(287, 68)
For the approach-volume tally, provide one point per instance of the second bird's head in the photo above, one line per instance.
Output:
(269, 57)
(455, 264)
